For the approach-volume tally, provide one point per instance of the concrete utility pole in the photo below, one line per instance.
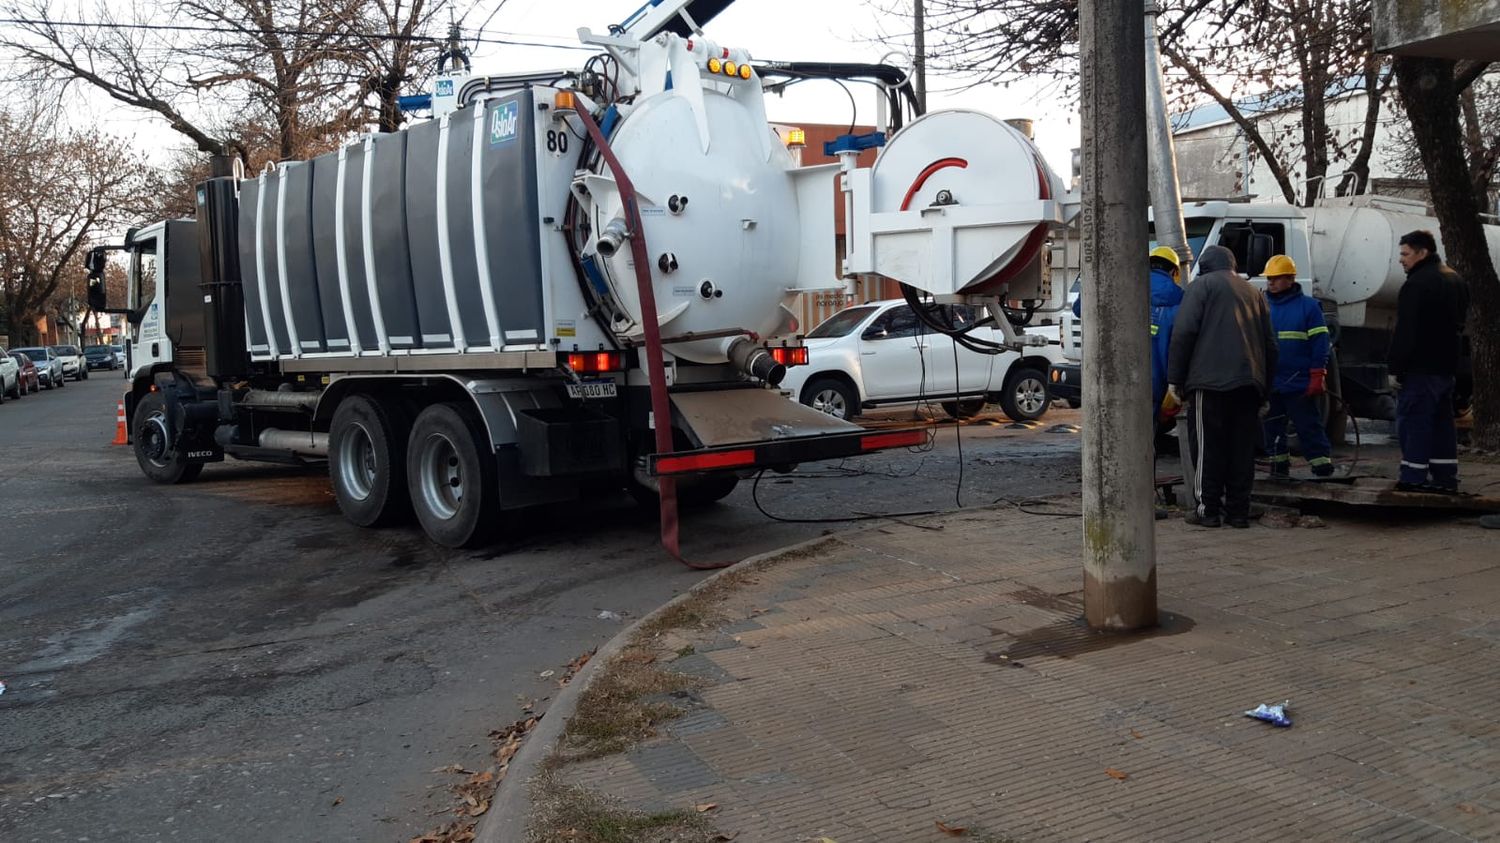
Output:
(1119, 538)
(920, 61)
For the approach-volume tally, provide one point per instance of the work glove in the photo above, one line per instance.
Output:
(1315, 379)
(1174, 393)
(1170, 407)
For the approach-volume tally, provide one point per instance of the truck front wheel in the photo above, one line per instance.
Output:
(451, 474)
(367, 461)
(155, 451)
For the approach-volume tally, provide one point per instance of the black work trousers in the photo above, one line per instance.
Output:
(1223, 430)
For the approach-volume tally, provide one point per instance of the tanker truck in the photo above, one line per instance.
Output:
(564, 281)
(1345, 250)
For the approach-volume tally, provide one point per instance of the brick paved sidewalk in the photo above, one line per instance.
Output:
(935, 671)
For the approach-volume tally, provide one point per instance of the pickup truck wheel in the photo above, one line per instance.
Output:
(367, 461)
(1024, 396)
(966, 409)
(158, 457)
(451, 474)
(831, 396)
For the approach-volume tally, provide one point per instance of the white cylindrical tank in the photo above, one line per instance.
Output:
(1355, 243)
(734, 244)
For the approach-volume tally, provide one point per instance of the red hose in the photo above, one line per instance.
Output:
(661, 408)
(1034, 240)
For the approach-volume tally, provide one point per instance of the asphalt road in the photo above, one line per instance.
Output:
(231, 660)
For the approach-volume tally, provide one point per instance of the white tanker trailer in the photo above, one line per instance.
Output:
(563, 281)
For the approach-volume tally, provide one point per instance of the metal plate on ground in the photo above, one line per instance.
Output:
(1368, 491)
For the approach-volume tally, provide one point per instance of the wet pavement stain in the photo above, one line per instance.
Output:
(1071, 637)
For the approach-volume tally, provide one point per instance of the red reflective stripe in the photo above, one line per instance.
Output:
(897, 439)
(705, 462)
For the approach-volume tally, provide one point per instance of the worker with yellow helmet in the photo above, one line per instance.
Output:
(1301, 368)
(1166, 295)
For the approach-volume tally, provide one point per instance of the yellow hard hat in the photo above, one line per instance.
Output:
(1280, 265)
(1168, 254)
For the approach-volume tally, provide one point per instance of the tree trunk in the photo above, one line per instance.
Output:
(1433, 105)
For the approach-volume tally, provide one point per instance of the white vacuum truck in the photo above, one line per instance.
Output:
(1345, 250)
(564, 281)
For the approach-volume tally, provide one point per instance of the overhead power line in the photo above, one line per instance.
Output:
(245, 30)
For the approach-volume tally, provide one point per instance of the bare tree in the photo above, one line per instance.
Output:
(59, 190)
(396, 51)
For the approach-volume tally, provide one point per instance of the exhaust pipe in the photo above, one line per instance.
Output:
(755, 361)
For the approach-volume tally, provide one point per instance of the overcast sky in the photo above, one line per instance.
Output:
(788, 30)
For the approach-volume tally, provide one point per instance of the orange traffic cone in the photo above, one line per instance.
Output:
(121, 436)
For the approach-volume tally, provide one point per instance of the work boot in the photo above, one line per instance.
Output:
(1237, 521)
(1323, 470)
(1210, 520)
(1281, 470)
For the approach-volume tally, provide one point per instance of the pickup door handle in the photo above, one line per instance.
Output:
(867, 354)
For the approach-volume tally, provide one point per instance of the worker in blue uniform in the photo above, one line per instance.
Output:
(1301, 370)
(1166, 295)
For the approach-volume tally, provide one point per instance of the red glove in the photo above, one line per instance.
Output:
(1315, 384)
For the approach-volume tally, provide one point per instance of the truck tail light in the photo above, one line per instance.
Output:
(705, 462)
(894, 439)
(596, 362)
(790, 355)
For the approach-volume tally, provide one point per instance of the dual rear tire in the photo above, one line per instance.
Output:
(386, 467)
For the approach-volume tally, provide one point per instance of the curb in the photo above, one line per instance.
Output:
(507, 819)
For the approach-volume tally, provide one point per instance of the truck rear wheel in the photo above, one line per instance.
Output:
(155, 451)
(451, 474)
(367, 461)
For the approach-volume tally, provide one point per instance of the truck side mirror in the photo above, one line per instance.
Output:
(1262, 247)
(94, 262)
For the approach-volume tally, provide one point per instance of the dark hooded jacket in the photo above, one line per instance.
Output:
(1222, 337)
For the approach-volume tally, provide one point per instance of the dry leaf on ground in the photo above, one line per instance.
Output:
(706, 806)
(951, 830)
(1135, 734)
(337, 802)
(1116, 774)
(1467, 808)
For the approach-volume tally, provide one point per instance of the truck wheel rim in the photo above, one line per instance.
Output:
(1031, 395)
(831, 402)
(357, 464)
(154, 440)
(441, 477)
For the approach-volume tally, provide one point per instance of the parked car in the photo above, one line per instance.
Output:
(30, 380)
(73, 362)
(49, 367)
(880, 353)
(124, 360)
(10, 376)
(102, 357)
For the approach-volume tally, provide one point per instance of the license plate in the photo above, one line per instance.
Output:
(592, 389)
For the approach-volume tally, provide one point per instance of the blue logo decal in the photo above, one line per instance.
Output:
(445, 87)
(505, 120)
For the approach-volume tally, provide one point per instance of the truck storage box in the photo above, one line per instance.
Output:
(557, 441)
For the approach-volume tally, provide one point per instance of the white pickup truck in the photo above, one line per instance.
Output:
(877, 354)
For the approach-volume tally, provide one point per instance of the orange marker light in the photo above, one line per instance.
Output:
(730, 68)
(744, 71)
(714, 66)
(563, 100)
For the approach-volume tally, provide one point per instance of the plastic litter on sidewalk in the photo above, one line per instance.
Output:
(1274, 714)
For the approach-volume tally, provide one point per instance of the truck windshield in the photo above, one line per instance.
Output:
(1198, 229)
(841, 323)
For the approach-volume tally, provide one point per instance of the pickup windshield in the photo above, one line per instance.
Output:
(841, 323)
